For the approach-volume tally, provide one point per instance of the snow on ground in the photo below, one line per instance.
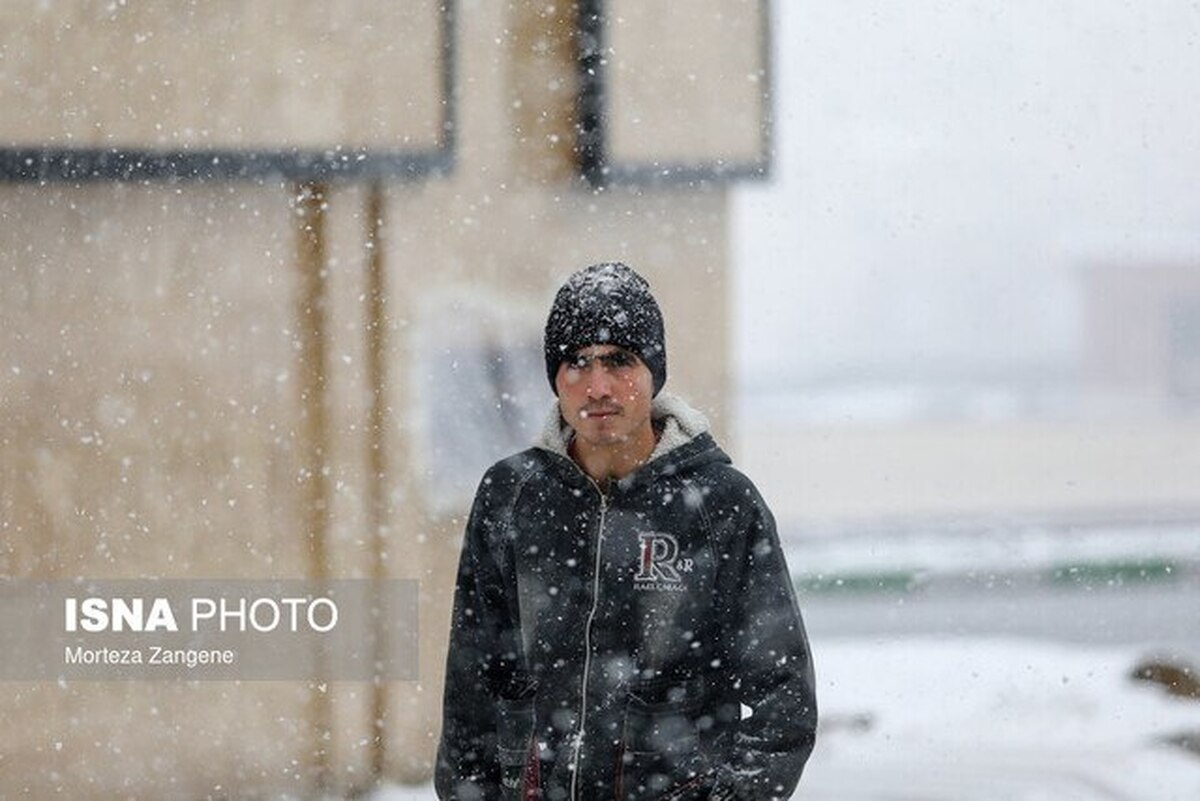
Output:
(986, 720)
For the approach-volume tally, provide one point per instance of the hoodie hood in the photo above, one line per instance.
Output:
(681, 423)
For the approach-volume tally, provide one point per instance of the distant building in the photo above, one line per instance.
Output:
(1112, 444)
(1143, 332)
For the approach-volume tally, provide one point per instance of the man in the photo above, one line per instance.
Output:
(624, 623)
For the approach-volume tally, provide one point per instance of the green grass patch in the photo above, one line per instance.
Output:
(887, 581)
(1115, 572)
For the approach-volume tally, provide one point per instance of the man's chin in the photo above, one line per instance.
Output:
(600, 438)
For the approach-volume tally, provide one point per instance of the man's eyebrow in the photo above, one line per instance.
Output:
(616, 358)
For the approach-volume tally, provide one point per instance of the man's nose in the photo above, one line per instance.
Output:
(599, 382)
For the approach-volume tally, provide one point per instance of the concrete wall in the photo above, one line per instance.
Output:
(222, 379)
(649, 51)
(223, 73)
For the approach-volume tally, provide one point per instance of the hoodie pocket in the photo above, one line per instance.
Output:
(661, 757)
(514, 746)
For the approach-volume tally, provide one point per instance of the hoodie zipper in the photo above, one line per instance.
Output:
(587, 641)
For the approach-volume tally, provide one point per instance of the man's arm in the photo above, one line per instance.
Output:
(478, 661)
(770, 664)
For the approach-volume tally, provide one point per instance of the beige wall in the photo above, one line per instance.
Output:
(182, 395)
(221, 73)
(153, 425)
(721, 55)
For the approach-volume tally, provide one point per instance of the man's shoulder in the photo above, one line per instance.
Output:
(728, 492)
(502, 483)
(515, 469)
(726, 477)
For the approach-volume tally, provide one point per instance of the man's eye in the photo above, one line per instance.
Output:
(618, 360)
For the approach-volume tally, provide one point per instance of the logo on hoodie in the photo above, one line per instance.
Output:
(659, 565)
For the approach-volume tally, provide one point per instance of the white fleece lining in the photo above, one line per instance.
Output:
(681, 423)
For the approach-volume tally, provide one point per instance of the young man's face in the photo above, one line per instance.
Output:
(604, 393)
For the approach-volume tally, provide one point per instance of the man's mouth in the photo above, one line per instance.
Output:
(599, 412)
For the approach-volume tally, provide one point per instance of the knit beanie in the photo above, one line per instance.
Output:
(606, 304)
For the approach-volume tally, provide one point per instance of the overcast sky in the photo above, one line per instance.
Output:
(945, 172)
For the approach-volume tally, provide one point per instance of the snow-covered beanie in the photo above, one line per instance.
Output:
(606, 304)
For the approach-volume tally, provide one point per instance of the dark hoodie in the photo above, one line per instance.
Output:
(640, 642)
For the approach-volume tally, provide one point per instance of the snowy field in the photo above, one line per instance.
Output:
(984, 719)
(987, 720)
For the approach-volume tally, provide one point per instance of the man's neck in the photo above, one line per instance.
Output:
(604, 463)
